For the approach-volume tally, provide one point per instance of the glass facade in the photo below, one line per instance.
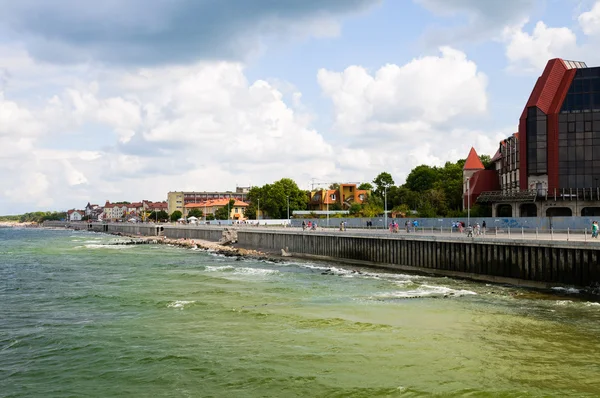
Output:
(579, 132)
(537, 145)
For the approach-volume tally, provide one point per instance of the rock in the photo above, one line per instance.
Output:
(229, 236)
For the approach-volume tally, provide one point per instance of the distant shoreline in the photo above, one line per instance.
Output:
(13, 224)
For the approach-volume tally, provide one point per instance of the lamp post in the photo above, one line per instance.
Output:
(327, 209)
(468, 202)
(257, 209)
(385, 207)
(228, 209)
(288, 208)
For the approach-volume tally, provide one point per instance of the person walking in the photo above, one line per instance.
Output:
(595, 229)
(483, 227)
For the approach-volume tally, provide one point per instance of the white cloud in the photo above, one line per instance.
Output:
(426, 91)
(532, 51)
(590, 20)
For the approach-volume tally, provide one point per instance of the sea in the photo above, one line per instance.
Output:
(82, 317)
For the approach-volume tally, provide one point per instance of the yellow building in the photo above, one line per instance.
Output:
(178, 199)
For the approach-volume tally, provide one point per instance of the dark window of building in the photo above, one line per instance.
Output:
(578, 150)
(536, 141)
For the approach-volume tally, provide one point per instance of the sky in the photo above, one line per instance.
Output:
(130, 99)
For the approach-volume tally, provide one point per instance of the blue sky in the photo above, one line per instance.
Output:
(127, 100)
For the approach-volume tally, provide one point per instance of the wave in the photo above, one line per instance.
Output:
(241, 270)
(568, 290)
(563, 302)
(426, 291)
(104, 246)
(181, 304)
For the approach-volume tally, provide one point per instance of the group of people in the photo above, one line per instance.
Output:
(471, 230)
(311, 225)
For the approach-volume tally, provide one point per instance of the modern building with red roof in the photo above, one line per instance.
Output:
(551, 167)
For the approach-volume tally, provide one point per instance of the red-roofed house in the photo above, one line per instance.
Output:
(211, 206)
(75, 215)
(114, 211)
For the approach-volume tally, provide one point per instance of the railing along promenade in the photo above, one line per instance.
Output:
(516, 257)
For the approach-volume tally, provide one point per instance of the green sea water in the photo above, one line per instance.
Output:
(82, 318)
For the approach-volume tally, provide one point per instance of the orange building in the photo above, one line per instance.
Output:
(345, 196)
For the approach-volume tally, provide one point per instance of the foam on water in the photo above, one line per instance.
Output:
(563, 302)
(256, 271)
(404, 278)
(241, 270)
(569, 290)
(591, 304)
(427, 291)
(181, 304)
(104, 246)
(224, 268)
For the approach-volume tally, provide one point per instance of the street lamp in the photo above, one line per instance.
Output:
(385, 207)
(327, 202)
(257, 209)
(228, 210)
(468, 202)
(288, 205)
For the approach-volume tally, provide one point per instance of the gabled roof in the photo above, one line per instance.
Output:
(498, 154)
(473, 162)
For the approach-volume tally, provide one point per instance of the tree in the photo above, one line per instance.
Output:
(274, 199)
(402, 209)
(365, 186)
(196, 213)
(224, 212)
(355, 209)
(335, 186)
(486, 160)
(421, 178)
(372, 206)
(176, 215)
(383, 181)
(335, 207)
(160, 216)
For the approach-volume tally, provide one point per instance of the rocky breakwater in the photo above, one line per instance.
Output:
(224, 249)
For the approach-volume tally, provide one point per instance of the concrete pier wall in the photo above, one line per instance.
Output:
(523, 262)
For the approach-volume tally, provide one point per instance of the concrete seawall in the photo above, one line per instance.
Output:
(519, 262)
(522, 262)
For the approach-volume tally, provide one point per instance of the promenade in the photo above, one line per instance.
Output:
(490, 235)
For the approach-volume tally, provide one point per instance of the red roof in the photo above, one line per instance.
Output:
(215, 202)
(473, 162)
(157, 205)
